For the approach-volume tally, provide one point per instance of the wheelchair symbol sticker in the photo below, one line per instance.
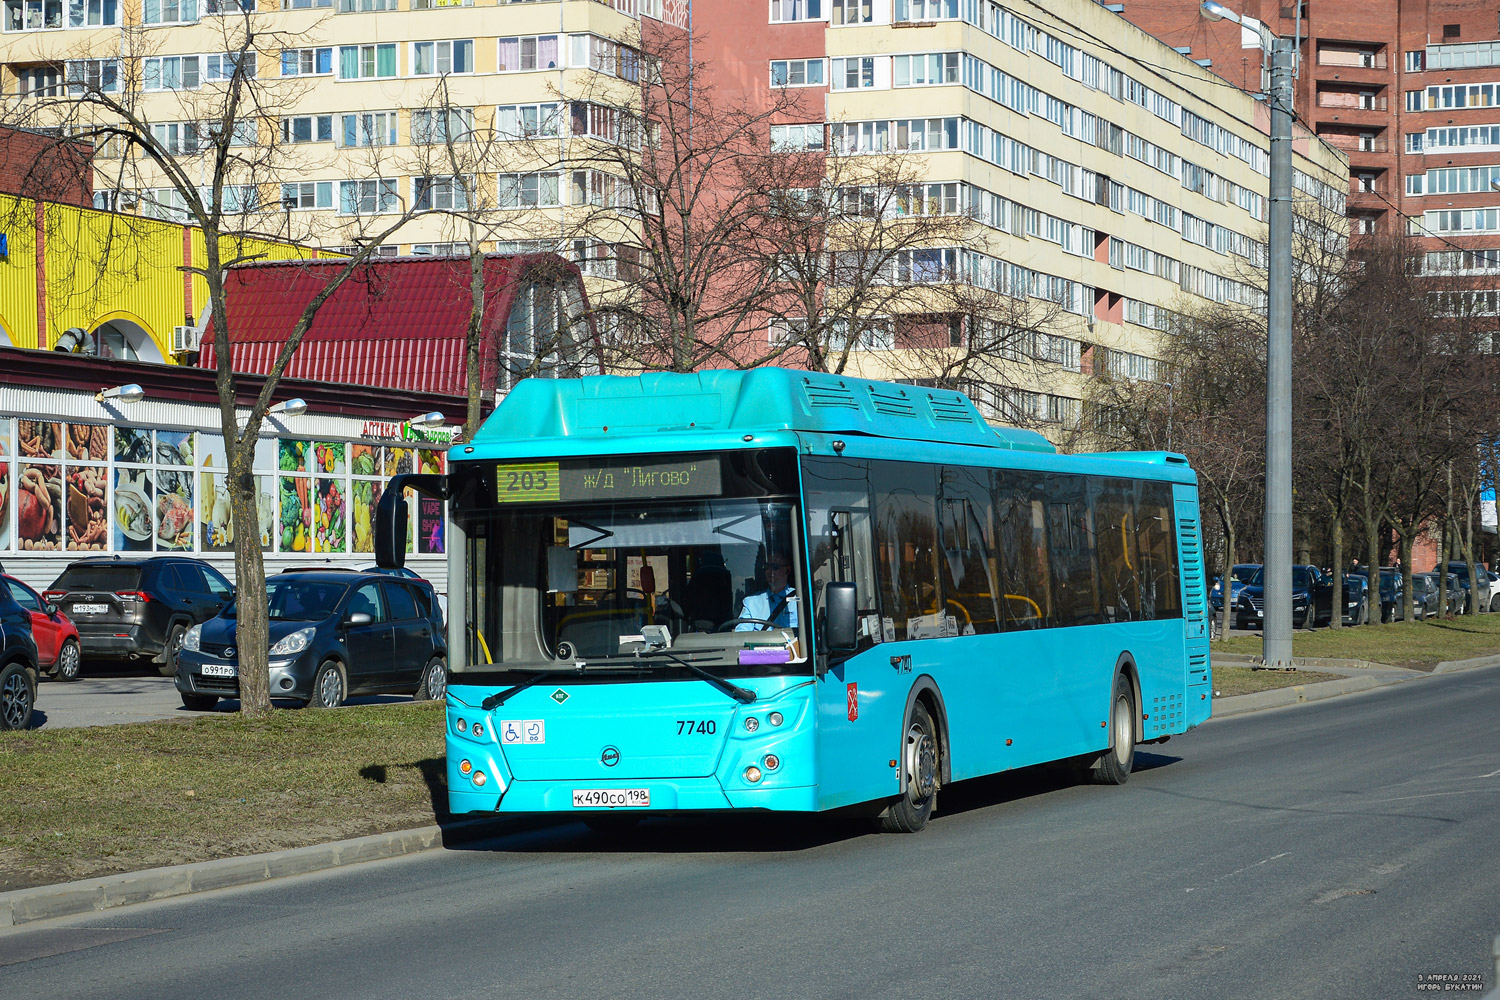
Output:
(523, 731)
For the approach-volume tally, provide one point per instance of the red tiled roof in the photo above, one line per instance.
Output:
(396, 323)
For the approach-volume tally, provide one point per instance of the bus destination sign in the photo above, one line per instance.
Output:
(607, 479)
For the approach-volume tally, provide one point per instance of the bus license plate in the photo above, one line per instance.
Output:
(218, 670)
(611, 798)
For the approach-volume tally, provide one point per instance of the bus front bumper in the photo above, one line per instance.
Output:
(661, 795)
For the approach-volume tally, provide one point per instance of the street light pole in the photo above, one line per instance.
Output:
(1276, 643)
(1276, 634)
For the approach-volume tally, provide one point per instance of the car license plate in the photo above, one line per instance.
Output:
(611, 798)
(218, 670)
(90, 609)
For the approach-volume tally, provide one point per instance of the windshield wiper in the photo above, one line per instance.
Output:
(501, 697)
(723, 684)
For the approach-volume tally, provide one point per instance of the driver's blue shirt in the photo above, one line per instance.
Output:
(759, 606)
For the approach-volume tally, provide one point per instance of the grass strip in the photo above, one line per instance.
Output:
(86, 802)
(1419, 645)
(1230, 681)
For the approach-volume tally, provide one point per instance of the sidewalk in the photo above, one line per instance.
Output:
(25, 906)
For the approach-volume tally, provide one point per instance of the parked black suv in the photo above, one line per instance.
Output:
(333, 633)
(139, 608)
(18, 664)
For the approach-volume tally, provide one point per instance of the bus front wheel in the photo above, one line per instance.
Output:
(919, 759)
(1113, 766)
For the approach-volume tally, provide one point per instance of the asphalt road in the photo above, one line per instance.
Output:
(110, 693)
(1344, 848)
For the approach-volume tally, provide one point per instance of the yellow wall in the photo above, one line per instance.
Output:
(103, 266)
(18, 271)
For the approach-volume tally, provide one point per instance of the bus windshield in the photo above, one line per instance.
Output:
(605, 582)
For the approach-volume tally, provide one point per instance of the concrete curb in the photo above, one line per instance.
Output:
(47, 902)
(1449, 666)
(1308, 662)
(1297, 694)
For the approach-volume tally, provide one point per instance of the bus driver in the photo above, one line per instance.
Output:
(777, 603)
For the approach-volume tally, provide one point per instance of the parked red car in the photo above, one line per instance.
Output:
(57, 649)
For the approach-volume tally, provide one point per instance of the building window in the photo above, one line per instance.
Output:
(796, 138)
(370, 128)
(100, 76)
(306, 62)
(369, 197)
(527, 121)
(434, 4)
(442, 58)
(528, 52)
(307, 128)
(796, 10)
(362, 6)
(450, 125)
(538, 190)
(440, 249)
(855, 73)
(305, 4)
(797, 73)
(307, 195)
(39, 81)
(925, 10)
(218, 67)
(440, 194)
(1416, 61)
(852, 12)
(177, 138)
(169, 11)
(367, 62)
(924, 70)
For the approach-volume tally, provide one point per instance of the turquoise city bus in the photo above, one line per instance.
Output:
(792, 591)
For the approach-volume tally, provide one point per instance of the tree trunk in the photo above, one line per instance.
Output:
(1408, 608)
(252, 631)
(1336, 617)
(1372, 551)
(1226, 610)
(472, 341)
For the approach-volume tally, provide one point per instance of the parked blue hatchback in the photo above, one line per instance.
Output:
(333, 634)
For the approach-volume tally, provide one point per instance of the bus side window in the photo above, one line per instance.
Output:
(1021, 540)
(906, 545)
(966, 565)
(1119, 560)
(839, 536)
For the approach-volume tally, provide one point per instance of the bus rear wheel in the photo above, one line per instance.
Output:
(1113, 766)
(919, 759)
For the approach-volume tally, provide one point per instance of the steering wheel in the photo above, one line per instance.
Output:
(727, 626)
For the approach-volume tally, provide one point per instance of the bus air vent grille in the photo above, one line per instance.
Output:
(895, 404)
(836, 395)
(950, 408)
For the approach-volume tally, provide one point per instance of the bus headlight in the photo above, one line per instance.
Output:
(479, 778)
(461, 726)
(751, 724)
(478, 730)
(752, 774)
(774, 718)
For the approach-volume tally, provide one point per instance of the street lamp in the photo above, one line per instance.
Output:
(1276, 648)
(427, 421)
(130, 393)
(289, 407)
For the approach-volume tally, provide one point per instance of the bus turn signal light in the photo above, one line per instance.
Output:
(465, 767)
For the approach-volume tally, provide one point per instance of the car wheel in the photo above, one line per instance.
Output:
(1115, 763)
(17, 696)
(434, 686)
(167, 667)
(1495, 603)
(328, 687)
(919, 756)
(199, 702)
(69, 661)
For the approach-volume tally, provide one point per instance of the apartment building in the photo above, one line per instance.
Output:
(1103, 173)
(1409, 91)
(360, 109)
(1108, 173)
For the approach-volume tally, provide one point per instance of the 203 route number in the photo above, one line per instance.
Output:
(611, 798)
(691, 727)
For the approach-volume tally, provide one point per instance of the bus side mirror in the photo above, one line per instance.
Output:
(391, 519)
(841, 611)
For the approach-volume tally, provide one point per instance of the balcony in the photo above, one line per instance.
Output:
(1352, 100)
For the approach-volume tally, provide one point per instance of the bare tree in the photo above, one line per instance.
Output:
(211, 164)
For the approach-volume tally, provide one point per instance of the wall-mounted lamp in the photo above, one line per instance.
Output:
(130, 393)
(427, 421)
(289, 408)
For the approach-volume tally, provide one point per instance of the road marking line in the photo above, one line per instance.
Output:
(1274, 857)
